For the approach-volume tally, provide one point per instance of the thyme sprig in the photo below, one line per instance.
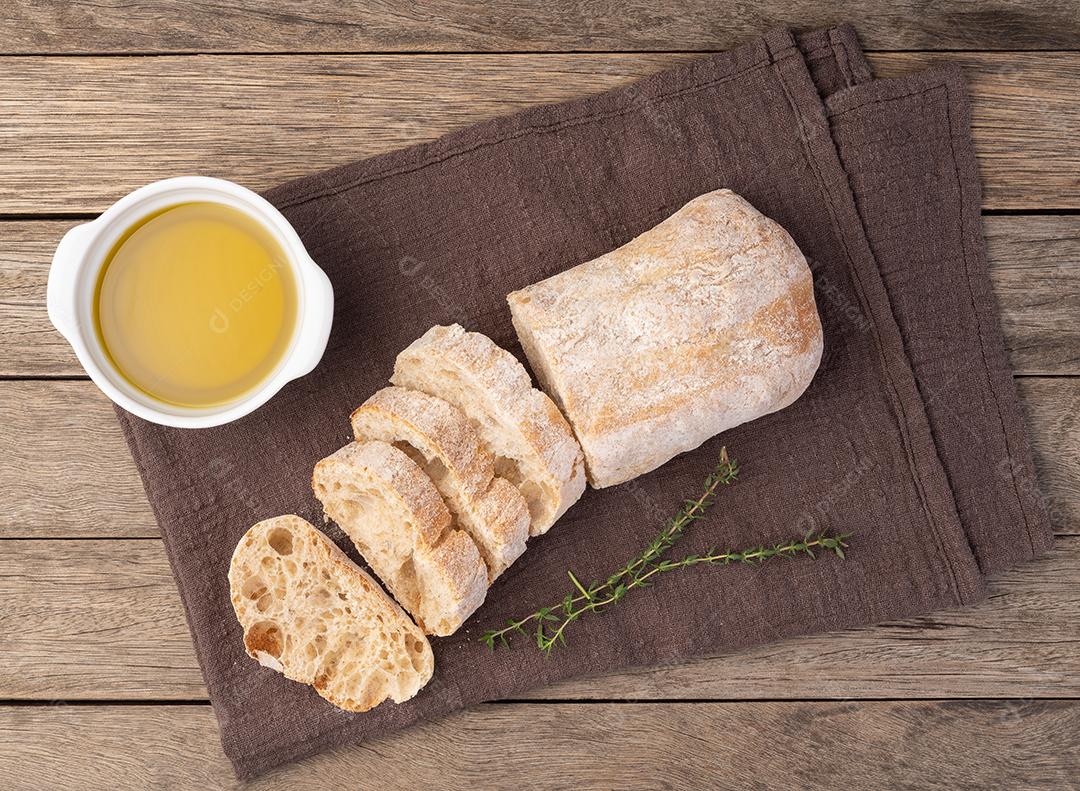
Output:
(725, 472)
(552, 622)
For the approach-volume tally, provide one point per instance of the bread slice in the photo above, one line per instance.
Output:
(533, 445)
(439, 438)
(704, 322)
(312, 614)
(394, 515)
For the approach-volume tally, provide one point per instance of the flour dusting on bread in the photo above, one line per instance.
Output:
(699, 324)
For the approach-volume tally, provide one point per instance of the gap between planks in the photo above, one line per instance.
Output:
(16, 703)
(507, 53)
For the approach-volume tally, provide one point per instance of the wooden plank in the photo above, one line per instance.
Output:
(1035, 267)
(931, 745)
(65, 471)
(1052, 414)
(458, 25)
(64, 467)
(98, 620)
(76, 133)
(1035, 270)
(77, 610)
(29, 346)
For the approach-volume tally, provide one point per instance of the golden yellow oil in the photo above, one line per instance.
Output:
(196, 304)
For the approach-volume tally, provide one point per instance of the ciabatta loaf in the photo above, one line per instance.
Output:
(439, 438)
(311, 613)
(394, 515)
(702, 323)
(533, 445)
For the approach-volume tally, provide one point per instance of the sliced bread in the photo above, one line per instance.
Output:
(312, 614)
(394, 515)
(533, 445)
(439, 438)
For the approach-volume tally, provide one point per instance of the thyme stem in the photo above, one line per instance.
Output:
(756, 555)
(725, 472)
(552, 622)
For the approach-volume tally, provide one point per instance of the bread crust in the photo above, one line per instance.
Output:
(506, 388)
(704, 322)
(435, 423)
(393, 513)
(439, 437)
(367, 680)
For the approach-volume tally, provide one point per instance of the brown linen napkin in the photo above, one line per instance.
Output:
(932, 258)
(876, 182)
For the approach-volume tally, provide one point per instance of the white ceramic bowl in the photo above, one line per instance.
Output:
(78, 260)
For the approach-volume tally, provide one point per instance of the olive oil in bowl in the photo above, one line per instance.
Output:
(196, 305)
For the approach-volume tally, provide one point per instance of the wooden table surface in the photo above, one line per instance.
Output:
(99, 687)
